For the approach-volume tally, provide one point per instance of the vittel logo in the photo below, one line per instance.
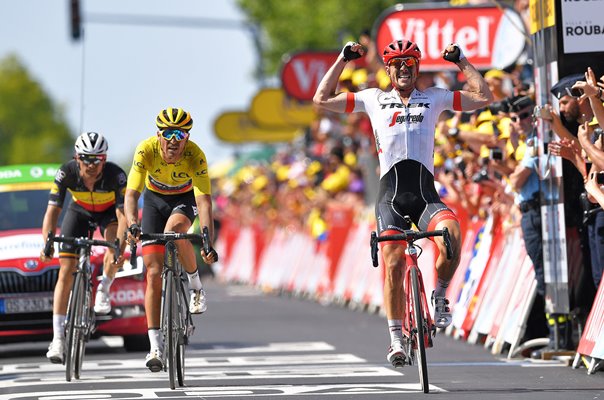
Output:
(489, 37)
(433, 36)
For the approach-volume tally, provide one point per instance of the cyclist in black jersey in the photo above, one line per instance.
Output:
(403, 121)
(97, 189)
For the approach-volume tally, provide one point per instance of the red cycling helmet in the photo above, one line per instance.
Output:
(401, 48)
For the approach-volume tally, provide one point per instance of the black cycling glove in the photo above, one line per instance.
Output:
(135, 230)
(347, 54)
(454, 56)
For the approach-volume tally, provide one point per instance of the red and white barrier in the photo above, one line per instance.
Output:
(592, 340)
(491, 292)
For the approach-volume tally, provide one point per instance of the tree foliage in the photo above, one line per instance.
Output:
(294, 25)
(32, 127)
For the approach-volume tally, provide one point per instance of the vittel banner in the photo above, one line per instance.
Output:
(490, 37)
(583, 26)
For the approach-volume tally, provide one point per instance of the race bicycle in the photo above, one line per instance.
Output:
(418, 326)
(176, 323)
(80, 321)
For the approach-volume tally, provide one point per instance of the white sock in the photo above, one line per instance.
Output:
(105, 284)
(194, 281)
(155, 339)
(441, 288)
(58, 327)
(395, 327)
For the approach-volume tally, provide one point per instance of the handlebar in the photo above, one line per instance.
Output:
(203, 239)
(81, 242)
(409, 236)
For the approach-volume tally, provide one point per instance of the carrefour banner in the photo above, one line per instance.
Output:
(582, 27)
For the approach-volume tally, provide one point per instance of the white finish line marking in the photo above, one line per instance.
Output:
(270, 348)
(231, 391)
(192, 362)
(192, 375)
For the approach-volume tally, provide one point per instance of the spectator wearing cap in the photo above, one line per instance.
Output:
(526, 183)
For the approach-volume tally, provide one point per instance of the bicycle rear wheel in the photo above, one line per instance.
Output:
(73, 340)
(418, 318)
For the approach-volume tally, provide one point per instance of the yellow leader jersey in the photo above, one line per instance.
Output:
(150, 170)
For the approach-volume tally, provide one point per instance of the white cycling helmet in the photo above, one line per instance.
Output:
(91, 143)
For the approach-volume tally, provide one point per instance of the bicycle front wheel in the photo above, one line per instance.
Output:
(84, 329)
(183, 320)
(171, 337)
(420, 338)
(73, 342)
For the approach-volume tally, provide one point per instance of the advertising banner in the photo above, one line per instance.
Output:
(490, 37)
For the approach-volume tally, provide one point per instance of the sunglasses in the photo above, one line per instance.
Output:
(177, 134)
(520, 117)
(576, 92)
(88, 160)
(398, 62)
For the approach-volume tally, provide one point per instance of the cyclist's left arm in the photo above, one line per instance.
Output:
(202, 189)
(478, 94)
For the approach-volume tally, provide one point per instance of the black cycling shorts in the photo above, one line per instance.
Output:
(157, 208)
(75, 224)
(407, 189)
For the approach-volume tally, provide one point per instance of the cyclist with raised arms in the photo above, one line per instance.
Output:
(403, 121)
(174, 173)
(97, 190)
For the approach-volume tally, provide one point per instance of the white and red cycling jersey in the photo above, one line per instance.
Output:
(401, 131)
(404, 136)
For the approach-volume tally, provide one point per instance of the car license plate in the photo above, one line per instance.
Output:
(25, 305)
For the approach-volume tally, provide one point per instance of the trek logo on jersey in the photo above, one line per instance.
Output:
(397, 118)
(401, 105)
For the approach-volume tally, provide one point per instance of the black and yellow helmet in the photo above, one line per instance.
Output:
(174, 118)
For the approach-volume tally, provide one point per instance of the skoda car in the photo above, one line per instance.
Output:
(27, 284)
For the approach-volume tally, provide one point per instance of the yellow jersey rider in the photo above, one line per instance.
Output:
(173, 172)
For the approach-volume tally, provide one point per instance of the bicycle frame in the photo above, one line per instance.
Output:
(80, 320)
(430, 328)
(176, 322)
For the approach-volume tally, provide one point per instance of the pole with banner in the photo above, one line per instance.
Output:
(543, 34)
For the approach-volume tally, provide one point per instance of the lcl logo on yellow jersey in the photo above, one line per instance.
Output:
(181, 175)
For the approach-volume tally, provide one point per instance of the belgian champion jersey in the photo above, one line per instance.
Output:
(108, 190)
